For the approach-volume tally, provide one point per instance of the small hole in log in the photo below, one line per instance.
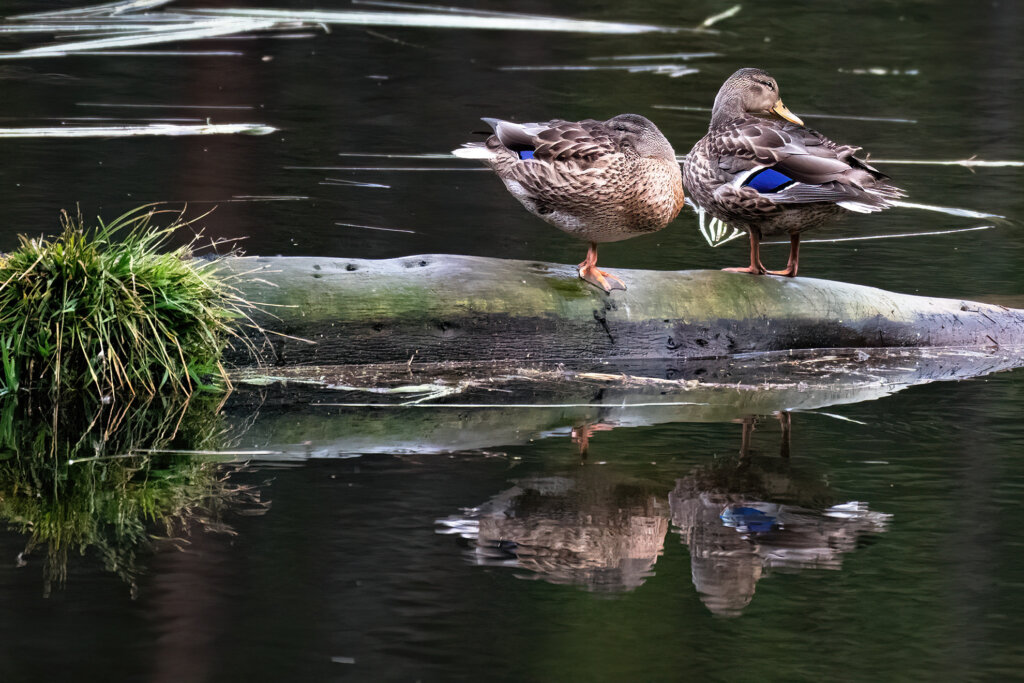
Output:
(349, 267)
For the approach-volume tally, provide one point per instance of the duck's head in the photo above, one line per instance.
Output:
(637, 134)
(750, 91)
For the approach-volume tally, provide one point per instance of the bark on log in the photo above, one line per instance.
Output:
(437, 307)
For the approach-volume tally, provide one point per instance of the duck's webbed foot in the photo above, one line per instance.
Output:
(589, 271)
(788, 272)
(601, 278)
(794, 258)
(755, 267)
(753, 270)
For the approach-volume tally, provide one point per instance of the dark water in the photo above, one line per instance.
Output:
(448, 544)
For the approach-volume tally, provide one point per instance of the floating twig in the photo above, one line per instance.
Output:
(107, 9)
(670, 70)
(834, 416)
(129, 131)
(715, 18)
(374, 227)
(164, 106)
(443, 19)
(354, 183)
(372, 155)
(952, 211)
(672, 55)
(132, 37)
(883, 119)
(886, 237)
(880, 71)
(966, 163)
(381, 168)
(162, 53)
(514, 405)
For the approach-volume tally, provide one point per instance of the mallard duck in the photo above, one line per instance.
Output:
(758, 168)
(599, 181)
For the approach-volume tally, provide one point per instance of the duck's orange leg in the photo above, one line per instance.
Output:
(581, 435)
(755, 267)
(786, 422)
(794, 258)
(588, 271)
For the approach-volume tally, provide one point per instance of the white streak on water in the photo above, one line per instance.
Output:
(886, 237)
(374, 227)
(952, 211)
(465, 20)
(166, 129)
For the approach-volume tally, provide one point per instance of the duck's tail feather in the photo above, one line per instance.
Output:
(473, 150)
(877, 197)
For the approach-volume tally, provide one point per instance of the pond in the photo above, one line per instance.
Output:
(839, 527)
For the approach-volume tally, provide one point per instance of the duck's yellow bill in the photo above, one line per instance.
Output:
(781, 110)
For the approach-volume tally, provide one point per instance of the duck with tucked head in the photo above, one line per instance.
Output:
(599, 181)
(759, 169)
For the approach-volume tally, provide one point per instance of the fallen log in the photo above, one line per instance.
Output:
(437, 307)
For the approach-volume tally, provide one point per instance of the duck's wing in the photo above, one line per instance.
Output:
(790, 164)
(568, 142)
(554, 154)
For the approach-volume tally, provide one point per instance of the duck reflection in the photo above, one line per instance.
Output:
(745, 515)
(749, 423)
(741, 516)
(589, 529)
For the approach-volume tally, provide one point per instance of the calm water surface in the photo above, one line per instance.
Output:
(438, 544)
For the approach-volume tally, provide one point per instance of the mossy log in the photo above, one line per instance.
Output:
(436, 308)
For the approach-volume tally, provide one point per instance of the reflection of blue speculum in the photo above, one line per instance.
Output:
(751, 519)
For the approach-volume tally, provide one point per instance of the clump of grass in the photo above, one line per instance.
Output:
(107, 309)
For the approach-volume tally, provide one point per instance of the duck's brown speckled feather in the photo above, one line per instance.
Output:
(586, 179)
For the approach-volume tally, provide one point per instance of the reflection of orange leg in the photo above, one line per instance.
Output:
(794, 258)
(581, 435)
(748, 433)
(786, 422)
(588, 271)
(755, 267)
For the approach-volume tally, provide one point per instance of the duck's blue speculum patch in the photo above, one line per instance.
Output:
(751, 518)
(525, 154)
(769, 180)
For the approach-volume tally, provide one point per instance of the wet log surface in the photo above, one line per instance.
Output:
(440, 308)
